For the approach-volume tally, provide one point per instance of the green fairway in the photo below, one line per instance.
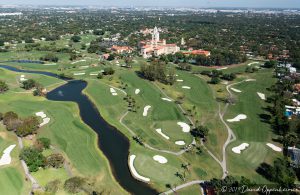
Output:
(251, 130)
(67, 132)
(200, 104)
(165, 116)
(11, 181)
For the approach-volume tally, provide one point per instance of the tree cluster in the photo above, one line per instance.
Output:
(156, 70)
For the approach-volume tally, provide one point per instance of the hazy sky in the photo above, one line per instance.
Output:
(173, 3)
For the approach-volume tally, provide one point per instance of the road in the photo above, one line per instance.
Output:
(34, 183)
(183, 186)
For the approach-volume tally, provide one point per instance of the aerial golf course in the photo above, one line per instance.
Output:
(162, 150)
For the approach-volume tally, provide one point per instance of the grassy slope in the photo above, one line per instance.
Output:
(67, 132)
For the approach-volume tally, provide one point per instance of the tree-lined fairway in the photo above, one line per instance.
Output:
(199, 101)
(67, 132)
(253, 130)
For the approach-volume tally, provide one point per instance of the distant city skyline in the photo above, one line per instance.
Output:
(163, 3)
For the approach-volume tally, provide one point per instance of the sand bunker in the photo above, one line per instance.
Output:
(222, 68)
(53, 64)
(162, 134)
(237, 118)
(83, 67)
(185, 127)
(137, 91)
(275, 148)
(6, 159)
(113, 91)
(134, 172)
(180, 143)
(253, 63)
(94, 73)
(167, 99)
(160, 159)
(41, 114)
(179, 80)
(78, 61)
(239, 148)
(79, 73)
(46, 120)
(146, 108)
(186, 87)
(248, 80)
(261, 95)
(22, 78)
(236, 90)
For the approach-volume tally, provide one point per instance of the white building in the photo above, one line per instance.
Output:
(156, 47)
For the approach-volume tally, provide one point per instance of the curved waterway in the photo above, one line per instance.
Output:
(113, 144)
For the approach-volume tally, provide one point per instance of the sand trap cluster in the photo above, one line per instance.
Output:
(185, 127)
(22, 78)
(186, 87)
(275, 148)
(261, 95)
(137, 91)
(78, 61)
(78, 73)
(167, 99)
(134, 172)
(179, 80)
(146, 108)
(46, 120)
(160, 159)
(237, 118)
(239, 148)
(6, 158)
(180, 143)
(113, 91)
(159, 131)
(236, 90)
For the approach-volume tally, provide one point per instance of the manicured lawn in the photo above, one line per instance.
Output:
(252, 130)
(200, 101)
(163, 115)
(11, 181)
(67, 132)
(44, 176)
